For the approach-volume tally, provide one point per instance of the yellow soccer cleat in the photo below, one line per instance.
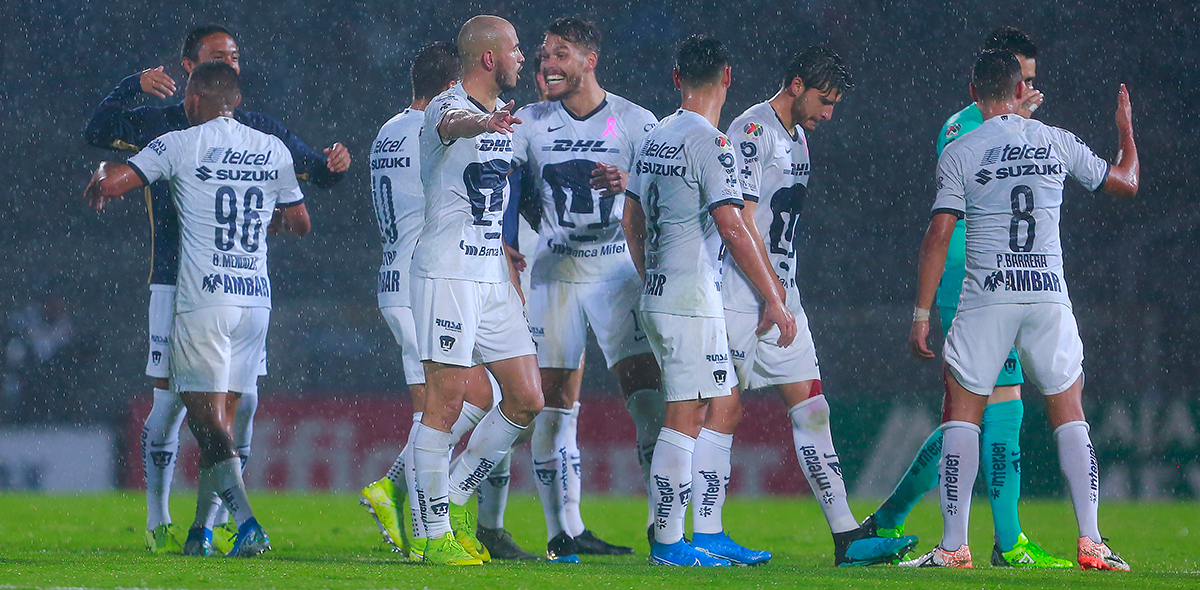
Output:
(446, 550)
(224, 536)
(163, 539)
(381, 500)
(462, 522)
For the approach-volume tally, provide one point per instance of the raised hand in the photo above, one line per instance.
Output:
(1124, 110)
(339, 158)
(1033, 99)
(502, 120)
(156, 82)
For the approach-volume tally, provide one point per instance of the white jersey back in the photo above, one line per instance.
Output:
(226, 180)
(399, 201)
(774, 173)
(466, 187)
(685, 169)
(580, 239)
(1007, 177)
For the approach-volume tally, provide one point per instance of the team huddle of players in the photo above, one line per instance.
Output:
(651, 234)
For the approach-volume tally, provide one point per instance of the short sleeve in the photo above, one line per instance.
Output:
(441, 106)
(289, 186)
(951, 191)
(641, 123)
(714, 168)
(1082, 163)
(753, 144)
(155, 162)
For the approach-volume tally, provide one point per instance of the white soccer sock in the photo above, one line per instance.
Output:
(710, 476)
(206, 498)
(160, 447)
(819, 461)
(243, 434)
(1078, 461)
(493, 495)
(467, 419)
(488, 446)
(956, 479)
(647, 408)
(672, 473)
(232, 489)
(433, 479)
(572, 474)
(410, 478)
(548, 466)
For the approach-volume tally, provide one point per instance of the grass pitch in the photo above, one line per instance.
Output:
(328, 541)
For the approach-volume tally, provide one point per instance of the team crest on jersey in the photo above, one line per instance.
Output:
(211, 283)
(994, 281)
(447, 342)
(754, 130)
(156, 357)
(953, 130)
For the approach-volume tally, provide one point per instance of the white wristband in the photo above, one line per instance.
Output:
(920, 315)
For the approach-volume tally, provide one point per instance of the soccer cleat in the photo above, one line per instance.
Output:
(1098, 556)
(1026, 554)
(417, 551)
(199, 543)
(562, 549)
(462, 522)
(721, 546)
(163, 539)
(251, 540)
(589, 544)
(223, 537)
(500, 544)
(863, 546)
(872, 529)
(381, 500)
(446, 550)
(938, 557)
(680, 553)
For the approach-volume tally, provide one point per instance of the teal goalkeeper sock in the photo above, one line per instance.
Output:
(922, 476)
(1001, 467)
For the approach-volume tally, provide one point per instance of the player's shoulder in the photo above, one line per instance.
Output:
(961, 123)
(627, 109)
(538, 111)
(403, 121)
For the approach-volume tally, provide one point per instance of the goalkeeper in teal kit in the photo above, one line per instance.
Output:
(1000, 447)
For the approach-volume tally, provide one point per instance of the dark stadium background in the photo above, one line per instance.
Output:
(334, 71)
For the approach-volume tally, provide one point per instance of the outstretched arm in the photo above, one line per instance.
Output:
(461, 123)
(1122, 178)
(929, 272)
(111, 180)
(751, 256)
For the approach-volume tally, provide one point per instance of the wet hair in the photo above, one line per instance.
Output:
(215, 81)
(818, 67)
(701, 60)
(1013, 40)
(536, 58)
(996, 74)
(191, 43)
(435, 67)
(576, 30)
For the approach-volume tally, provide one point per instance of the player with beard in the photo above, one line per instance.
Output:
(772, 139)
(578, 145)
(466, 309)
(682, 209)
(117, 126)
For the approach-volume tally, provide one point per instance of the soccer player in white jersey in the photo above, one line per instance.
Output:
(772, 140)
(1006, 179)
(399, 203)
(466, 309)
(682, 206)
(226, 180)
(578, 146)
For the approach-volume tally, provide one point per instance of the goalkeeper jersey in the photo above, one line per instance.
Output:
(958, 125)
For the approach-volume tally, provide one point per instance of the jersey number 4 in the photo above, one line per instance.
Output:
(226, 234)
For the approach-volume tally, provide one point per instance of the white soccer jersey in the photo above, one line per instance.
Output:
(774, 173)
(684, 169)
(1007, 177)
(580, 240)
(466, 187)
(226, 180)
(399, 201)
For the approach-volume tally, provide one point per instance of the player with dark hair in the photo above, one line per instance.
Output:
(224, 294)
(682, 208)
(1002, 419)
(1006, 179)
(577, 146)
(772, 139)
(117, 126)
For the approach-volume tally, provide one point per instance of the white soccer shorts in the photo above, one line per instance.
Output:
(1045, 335)
(400, 320)
(760, 361)
(693, 353)
(465, 323)
(162, 315)
(218, 349)
(560, 313)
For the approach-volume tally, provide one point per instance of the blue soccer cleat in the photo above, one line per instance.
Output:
(721, 546)
(680, 553)
(861, 546)
(251, 540)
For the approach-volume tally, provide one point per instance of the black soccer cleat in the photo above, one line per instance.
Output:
(589, 544)
(562, 549)
(500, 544)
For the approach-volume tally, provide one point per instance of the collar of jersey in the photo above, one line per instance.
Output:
(599, 107)
(790, 132)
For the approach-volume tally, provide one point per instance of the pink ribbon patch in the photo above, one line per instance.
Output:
(611, 129)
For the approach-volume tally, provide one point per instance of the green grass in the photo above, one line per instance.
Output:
(327, 541)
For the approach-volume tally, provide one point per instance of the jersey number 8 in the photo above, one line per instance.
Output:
(1022, 210)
